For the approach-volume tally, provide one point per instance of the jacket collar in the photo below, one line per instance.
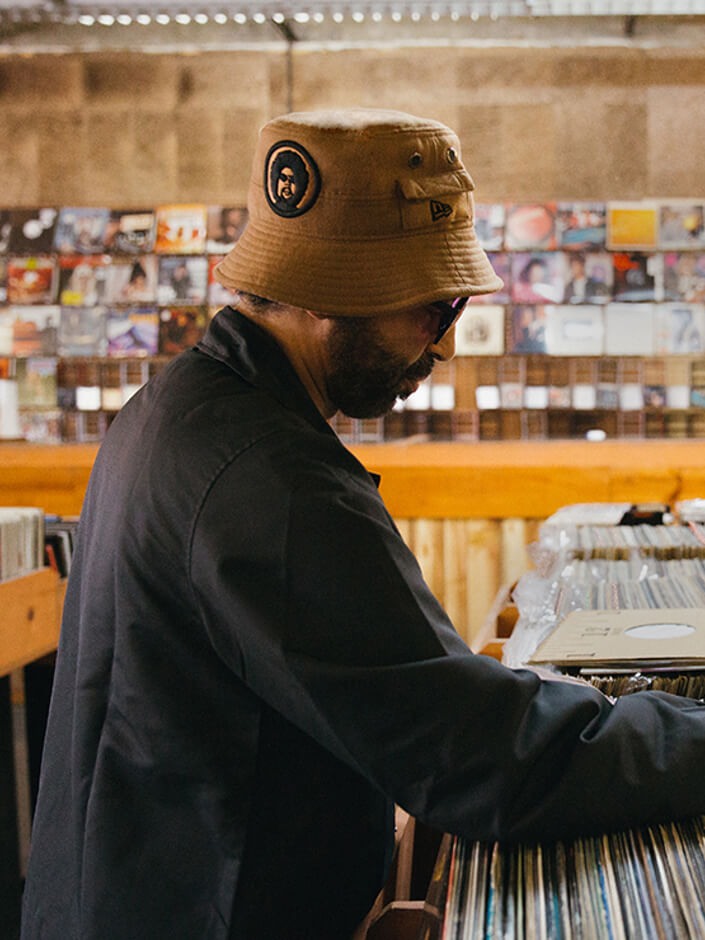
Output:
(255, 356)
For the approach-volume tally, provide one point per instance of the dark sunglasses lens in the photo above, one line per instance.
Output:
(450, 311)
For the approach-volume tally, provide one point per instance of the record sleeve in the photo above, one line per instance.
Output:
(31, 231)
(679, 329)
(638, 277)
(132, 280)
(132, 331)
(182, 279)
(527, 329)
(82, 331)
(5, 229)
(531, 226)
(684, 276)
(480, 331)
(632, 225)
(180, 328)
(588, 277)
(181, 229)
(537, 277)
(218, 295)
(31, 280)
(81, 231)
(629, 329)
(574, 330)
(489, 225)
(41, 426)
(36, 382)
(682, 224)
(82, 279)
(581, 225)
(224, 225)
(3, 280)
(5, 334)
(34, 330)
(130, 231)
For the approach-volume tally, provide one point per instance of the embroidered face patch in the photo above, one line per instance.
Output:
(291, 179)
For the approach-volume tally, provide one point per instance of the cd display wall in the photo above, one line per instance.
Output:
(598, 330)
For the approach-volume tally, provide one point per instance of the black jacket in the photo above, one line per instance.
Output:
(251, 669)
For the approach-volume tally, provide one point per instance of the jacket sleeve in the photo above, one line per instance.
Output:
(313, 599)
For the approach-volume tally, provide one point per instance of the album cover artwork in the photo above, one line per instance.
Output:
(41, 426)
(218, 295)
(181, 229)
(682, 225)
(480, 331)
(36, 382)
(182, 279)
(30, 280)
(82, 279)
(489, 225)
(684, 276)
(537, 277)
(34, 330)
(531, 226)
(632, 225)
(637, 276)
(588, 277)
(30, 232)
(574, 330)
(130, 231)
(180, 328)
(581, 226)
(629, 329)
(654, 396)
(132, 280)
(3, 280)
(224, 225)
(82, 331)
(527, 329)
(679, 329)
(5, 229)
(81, 231)
(132, 331)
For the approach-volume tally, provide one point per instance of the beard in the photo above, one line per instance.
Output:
(365, 379)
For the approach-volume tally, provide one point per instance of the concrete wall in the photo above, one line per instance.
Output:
(128, 129)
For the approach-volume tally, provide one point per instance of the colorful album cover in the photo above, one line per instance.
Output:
(34, 330)
(682, 225)
(31, 231)
(82, 331)
(3, 280)
(559, 396)
(81, 231)
(180, 328)
(82, 279)
(632, 225)
(679, 329)
(638, 277)
(218, 295)
(480, 331)
(574, 330)
(629, 329)
(527, 329)
(537, 277)
(684, 276)
(133, 331)
(489, 225)
(30, 280)
(581, 226)
(132, 280)
(654, 396)
(531, 227)
(588, 277)
(181, 230)
(224, 225)
(36, 382)
(501, 262)
(182, 279)
(130, 232)
(43, 426)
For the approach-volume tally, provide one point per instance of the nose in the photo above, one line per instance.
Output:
(445, 349)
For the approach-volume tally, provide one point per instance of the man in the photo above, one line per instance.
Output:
(251, 669)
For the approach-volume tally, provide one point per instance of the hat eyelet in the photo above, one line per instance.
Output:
(451, 155)
(415, 159)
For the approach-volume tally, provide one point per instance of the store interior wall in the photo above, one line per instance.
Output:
(126, 129)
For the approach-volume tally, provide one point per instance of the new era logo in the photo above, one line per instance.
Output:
(440, 210)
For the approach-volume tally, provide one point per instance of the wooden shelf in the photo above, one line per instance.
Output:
(31, 617)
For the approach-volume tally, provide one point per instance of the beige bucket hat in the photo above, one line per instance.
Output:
(358, 212)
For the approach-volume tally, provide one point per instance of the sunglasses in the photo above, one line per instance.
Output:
(449, 310)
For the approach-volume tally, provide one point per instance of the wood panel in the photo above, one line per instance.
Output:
(31, 616)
